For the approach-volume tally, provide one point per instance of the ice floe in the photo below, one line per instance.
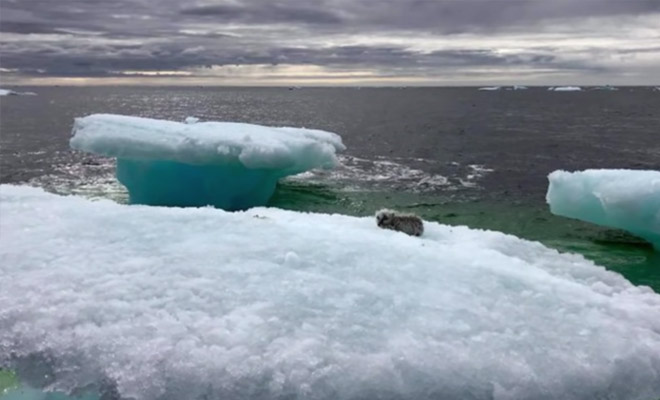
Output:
(565, 89)
(189, 303)
(624, 199)
(227, 165)
(7, 92)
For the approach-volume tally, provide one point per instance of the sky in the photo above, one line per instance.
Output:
(330, 42)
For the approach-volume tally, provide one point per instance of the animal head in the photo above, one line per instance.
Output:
(385, 217)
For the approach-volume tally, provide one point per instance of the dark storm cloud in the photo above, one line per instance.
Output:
(486, 15)
(264, 13)
(103, 38)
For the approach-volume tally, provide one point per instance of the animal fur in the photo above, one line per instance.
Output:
(407, 223)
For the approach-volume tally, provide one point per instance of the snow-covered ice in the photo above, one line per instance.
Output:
(227, 165)
(624, 199)
(191, 303)
(565, 89)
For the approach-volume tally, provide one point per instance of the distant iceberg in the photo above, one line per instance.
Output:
(154, 303)
(519, 87)
(7, 92)
(490, 88)
(228, 165)
(624, 199)
(606, 87)
(565, 89)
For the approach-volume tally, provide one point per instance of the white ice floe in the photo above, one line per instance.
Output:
(186, 303)
(7, 92)
(606, 88)
(490, 88)
(565, 89)
(228, 165)
(624, 199)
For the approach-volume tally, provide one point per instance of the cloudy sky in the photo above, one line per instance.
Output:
(330, 42)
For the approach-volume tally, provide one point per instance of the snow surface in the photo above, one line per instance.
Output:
(183, 303)
(228, 165)
(565, 89)
(624, 199)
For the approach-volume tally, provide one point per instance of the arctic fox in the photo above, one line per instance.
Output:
(407, 223)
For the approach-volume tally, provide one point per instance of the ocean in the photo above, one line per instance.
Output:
(457, 156)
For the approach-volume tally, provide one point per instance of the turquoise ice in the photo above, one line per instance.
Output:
(617, 198)
(228, 165)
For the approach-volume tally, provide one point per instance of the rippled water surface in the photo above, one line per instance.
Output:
(454, 155)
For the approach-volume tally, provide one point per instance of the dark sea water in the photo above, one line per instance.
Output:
(453, 155)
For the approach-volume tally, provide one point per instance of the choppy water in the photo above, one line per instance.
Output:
(454, 155)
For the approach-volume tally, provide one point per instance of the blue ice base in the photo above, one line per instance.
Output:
(590, 209)
(168, 183)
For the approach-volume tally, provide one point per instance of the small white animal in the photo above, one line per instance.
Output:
(407, 223)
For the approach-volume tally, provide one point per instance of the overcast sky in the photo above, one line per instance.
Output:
(330, 42)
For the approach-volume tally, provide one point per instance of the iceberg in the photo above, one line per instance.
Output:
(565, 89)
(188, 303)
(623, 199)
(490, 88)
(227, 165)
(606, 87)
(7, 92)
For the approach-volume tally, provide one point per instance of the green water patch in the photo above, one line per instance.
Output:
(8, 381)
(526, 218)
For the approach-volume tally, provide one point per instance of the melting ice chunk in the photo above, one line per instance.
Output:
(162, 303)
(624, 199)
(227, 165)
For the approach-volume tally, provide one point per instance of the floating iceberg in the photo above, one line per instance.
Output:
(189, 303)
(519, 87)
(490, 88)
(623, 199)
(228, 165)
(565, 89)
(606, 87)
(7, 92)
